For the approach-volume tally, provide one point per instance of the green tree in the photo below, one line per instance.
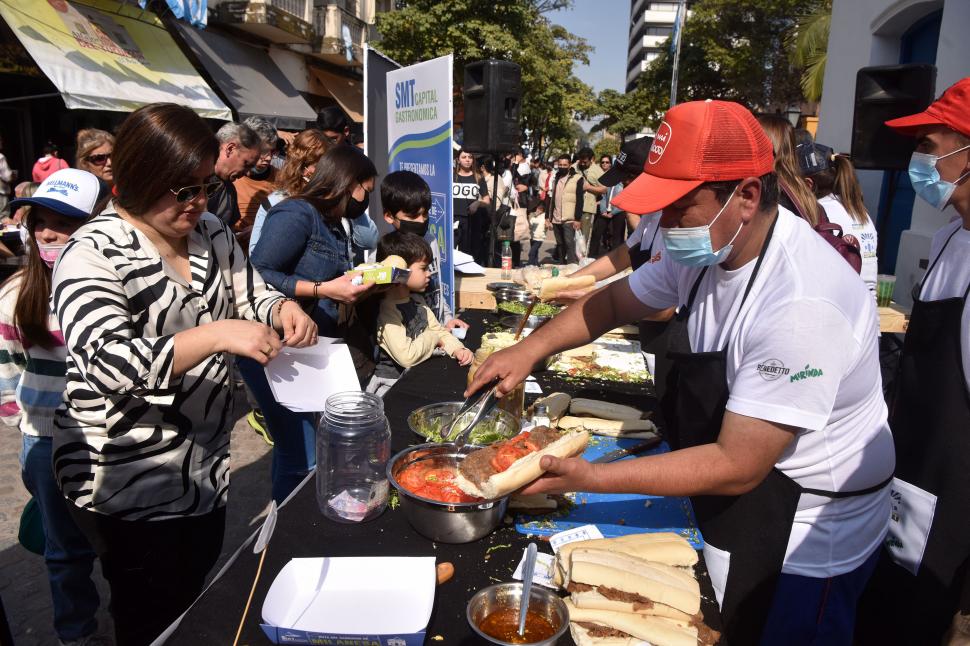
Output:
(607, 146)
(513, 30)
(808, 42)
(731, 50)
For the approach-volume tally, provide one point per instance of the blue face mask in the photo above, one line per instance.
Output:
(692, 246)
(926, 179)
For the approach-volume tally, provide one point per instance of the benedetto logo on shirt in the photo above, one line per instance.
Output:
(772, 369)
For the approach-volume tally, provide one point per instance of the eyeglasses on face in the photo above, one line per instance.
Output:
(99, 160)
(189, 193)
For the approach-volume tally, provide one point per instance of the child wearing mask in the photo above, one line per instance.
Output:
(408, 332)
(406, 201)
(33, 387)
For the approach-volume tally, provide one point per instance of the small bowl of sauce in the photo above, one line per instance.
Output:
(493, 614)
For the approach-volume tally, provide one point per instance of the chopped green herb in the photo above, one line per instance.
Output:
(519, 307)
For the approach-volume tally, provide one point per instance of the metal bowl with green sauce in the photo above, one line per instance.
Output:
(431, 420)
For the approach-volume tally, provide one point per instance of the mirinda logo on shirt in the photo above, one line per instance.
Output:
(660, 142)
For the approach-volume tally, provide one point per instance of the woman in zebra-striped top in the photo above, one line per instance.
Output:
(150, 301)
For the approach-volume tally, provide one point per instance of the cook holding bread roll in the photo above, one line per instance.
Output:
(775, 406)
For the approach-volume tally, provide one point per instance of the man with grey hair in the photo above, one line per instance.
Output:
(253, 187)
(239, 148)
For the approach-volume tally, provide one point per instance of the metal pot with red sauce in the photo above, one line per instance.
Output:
(434, 480)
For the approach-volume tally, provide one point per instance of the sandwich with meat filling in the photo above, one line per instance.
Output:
(498, 470)
(619, 598)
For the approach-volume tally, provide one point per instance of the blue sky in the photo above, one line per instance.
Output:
(605, 24)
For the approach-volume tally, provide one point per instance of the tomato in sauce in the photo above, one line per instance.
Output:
(429, 480)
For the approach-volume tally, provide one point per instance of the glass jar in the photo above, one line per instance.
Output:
(353, 447)
(514, 401)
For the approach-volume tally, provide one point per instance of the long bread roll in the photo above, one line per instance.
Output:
(593, 600)
(660, 547)
(659, 631)
(603, 410)
(612, 427)
(525, 469)
(661, 583)
(551, 287)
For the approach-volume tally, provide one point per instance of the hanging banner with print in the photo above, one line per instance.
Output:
(419, 133)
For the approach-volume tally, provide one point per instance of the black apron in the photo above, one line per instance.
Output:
(930, 420)
(753, 527)
(653, 334)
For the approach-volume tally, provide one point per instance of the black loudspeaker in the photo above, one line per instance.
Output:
(883, 93)
(493, 102)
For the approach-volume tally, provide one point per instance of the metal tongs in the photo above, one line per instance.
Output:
(481, 403)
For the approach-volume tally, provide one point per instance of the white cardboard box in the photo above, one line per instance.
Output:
(351, 601)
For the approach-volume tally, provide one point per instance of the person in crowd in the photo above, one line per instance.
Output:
(302, 155)
(567, 209)
(33, 364)
(470, 197)
(921, 586)
(49, 163)
(152, 300)
(774, 407)
(94, 149)
(832, 180)
(406, 201)
(408, 332)
(18, 214)
(335, 125)
(795, 195)
(305, 250)
(7, 177)
(542, 181)
(603, 222)
(253, 187)
(537, 229)
(592, 193)
(239, 150)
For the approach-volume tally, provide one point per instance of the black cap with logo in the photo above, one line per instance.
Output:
(629, 161)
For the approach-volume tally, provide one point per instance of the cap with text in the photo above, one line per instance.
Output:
(71, 192)
(698, 142)
(629, 161)
(952, 110)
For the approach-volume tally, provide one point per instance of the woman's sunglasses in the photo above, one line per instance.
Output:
(99, 160)
(189, 193)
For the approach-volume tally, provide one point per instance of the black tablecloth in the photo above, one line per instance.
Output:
(302, 531)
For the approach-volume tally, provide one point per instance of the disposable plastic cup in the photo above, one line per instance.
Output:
(885, 284)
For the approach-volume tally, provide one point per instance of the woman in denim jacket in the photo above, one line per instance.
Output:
(306, 245)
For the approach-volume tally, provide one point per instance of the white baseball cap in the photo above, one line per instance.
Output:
(70, 192)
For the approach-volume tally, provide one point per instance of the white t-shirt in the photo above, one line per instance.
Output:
(865, 233)
(803, 352)
(950, 277)
(644, 234)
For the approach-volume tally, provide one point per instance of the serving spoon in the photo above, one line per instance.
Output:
(531, 553)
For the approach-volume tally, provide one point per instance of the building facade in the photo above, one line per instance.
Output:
(651, 24)
(889, 32)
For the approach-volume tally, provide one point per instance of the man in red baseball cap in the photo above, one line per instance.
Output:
(925, 583)
(774, 406)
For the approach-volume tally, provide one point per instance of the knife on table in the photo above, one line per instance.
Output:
(636, 449)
